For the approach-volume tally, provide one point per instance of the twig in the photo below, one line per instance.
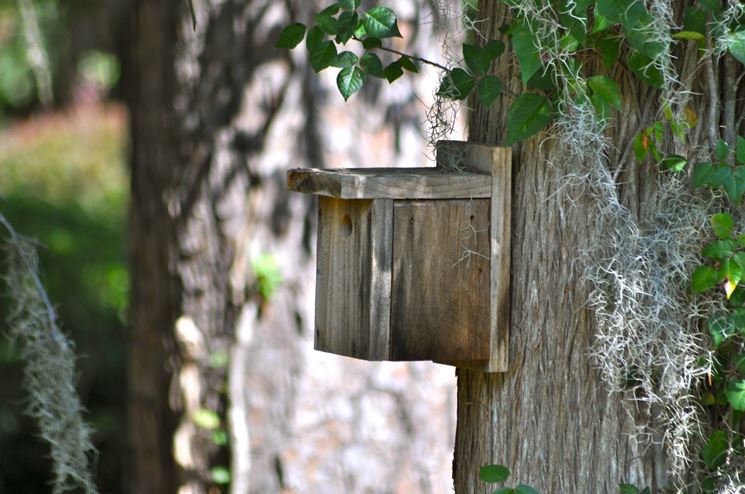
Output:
(413, 57)
(713, 90)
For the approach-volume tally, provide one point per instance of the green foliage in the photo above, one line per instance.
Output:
(715, 451)
(632, 489)
(528, 114)
(498, 474)
(267, 274)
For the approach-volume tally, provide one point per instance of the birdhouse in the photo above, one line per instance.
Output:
(414, 263)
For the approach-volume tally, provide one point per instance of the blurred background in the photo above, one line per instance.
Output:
(296, 420)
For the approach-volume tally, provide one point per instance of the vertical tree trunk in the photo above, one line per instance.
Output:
(154, 297)
(218, 115)
(550, 418)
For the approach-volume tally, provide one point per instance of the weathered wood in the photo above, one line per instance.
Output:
(501, 214)
(497, 161)
(390, 183)
(343, 274)
(380, 278)
(440, 302)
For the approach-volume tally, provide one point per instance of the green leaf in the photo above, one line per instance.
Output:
(735, 394)
(494, 474)
(331, 9)
(372, 65)
(704, 278)
(345, 59)
(525, 489)
(731, 271)
(721, 327)
(719, 249)
(349, 4)
(606, 88)
(476, 58)
(605, 95)
(642, 66)
(722, 224)
(488, 89)
(456, 85)
(504, 490)
(711, 175)
(494, 48)
(740, 150)
(692, 35)
(408, 64)
(326, 22)
(694, 20)
(393, 71)
(220, 475)
(206, 419)
(715, 450)
(528, 114)
(322, 55)
(674, 162)
(641, 146)
(524, 46)
(601, 23)
(721, 150)
(627, 489)
(736, 45)
(220, 437)
(314, 38)
(349, 81)
(609, 47)
(346, 26)
(734, 186)
(291, 36)
(381, 22)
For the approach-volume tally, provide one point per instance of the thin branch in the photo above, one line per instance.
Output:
(729, 104)
(713, 93)
(413, 57)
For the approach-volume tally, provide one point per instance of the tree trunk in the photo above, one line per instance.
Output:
(217, 117)
(550, 418)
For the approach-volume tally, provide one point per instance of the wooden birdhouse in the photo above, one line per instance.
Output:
(414, 263)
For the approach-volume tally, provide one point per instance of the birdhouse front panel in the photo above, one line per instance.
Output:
(440, 297)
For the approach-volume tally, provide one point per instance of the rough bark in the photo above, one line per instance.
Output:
(550, 418)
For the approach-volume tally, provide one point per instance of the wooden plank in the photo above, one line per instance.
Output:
(343, 266)
(440, 304)
(390, 183)
(497, 161)
(380, 278)
(501, 217)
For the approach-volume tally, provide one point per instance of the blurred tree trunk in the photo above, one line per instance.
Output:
(217, 116)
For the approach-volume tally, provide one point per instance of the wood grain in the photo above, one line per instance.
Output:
(390, 183)
(440, 301)
(343, 269)
(380, 278)
(496, 161)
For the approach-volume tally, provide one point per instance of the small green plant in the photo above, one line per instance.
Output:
(267, 273)
(498, 474)
(632, 489)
